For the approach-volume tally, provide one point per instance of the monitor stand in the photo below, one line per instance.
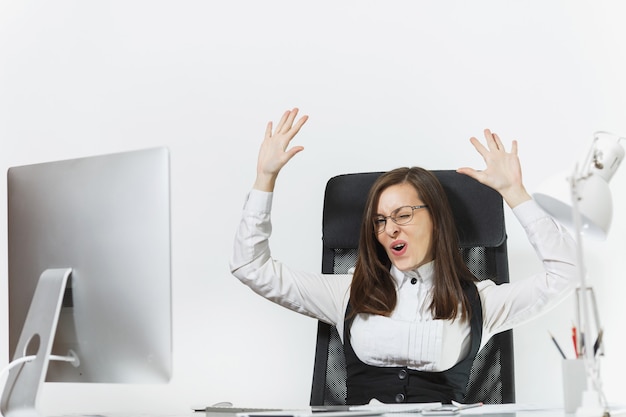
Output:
(19, 398)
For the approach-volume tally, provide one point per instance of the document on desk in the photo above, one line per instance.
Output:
(374, 409)
(512, 409)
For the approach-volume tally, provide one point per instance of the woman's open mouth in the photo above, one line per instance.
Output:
(398, 248)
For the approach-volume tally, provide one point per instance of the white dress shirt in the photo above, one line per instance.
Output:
(409, 336)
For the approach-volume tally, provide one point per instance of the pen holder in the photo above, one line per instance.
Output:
(574, 383)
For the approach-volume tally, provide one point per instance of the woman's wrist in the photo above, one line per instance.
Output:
(265, 182)
(516, 196)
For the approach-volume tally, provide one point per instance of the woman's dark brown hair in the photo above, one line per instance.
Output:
(373, 289)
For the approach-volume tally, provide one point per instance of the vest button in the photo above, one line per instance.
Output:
(402, 374)
(400, 398)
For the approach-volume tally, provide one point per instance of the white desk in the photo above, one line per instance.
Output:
(489, 410)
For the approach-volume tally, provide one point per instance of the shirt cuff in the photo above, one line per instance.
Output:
(259, 201)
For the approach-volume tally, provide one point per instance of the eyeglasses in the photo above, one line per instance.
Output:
(401, 215)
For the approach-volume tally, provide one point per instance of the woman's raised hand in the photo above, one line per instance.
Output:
(503, 172)
(275, 151)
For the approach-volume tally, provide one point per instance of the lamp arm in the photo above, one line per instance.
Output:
(580, 258)
(593, 402)
(584, 170)
(604, 156)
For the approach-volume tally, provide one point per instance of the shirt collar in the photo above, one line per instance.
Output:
(425, 272)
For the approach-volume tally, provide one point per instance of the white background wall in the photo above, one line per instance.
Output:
(386, 84)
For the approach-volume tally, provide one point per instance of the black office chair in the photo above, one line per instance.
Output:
(479, 216)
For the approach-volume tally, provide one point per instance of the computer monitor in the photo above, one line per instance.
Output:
(89, 244)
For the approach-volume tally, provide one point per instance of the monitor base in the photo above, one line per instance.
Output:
(19, 397)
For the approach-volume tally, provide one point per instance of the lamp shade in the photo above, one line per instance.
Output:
(594, 203)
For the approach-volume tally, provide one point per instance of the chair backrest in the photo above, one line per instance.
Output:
(479, 216)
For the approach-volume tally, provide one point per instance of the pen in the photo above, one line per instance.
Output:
(557, 346)
(598, 343)
(582, 348)
(575, 340)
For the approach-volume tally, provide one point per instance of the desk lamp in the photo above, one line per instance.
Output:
(581, 201)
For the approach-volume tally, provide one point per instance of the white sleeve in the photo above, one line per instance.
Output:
(313, 294)
(508, 305)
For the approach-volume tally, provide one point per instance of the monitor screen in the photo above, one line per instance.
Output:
(106, 220)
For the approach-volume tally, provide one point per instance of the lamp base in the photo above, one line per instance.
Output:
(591, 406)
